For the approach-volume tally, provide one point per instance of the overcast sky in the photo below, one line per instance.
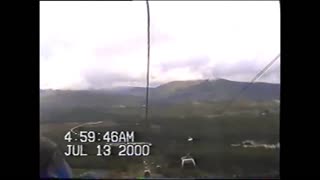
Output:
(104, 44)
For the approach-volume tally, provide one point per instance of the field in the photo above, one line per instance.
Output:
(213, 135)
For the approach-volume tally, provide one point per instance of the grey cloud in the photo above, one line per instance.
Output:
(50, 48)
(234, 69)
(131, 45)
(45, 53)
(246, 70)
(192, 63)
(98, 79)
(273, 74)
(242, 69)
(106, 79)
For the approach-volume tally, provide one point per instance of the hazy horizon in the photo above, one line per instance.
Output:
(155, 86)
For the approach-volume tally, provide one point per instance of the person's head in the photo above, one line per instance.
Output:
(52, 162)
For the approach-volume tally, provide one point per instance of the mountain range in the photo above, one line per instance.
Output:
(172, 92)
